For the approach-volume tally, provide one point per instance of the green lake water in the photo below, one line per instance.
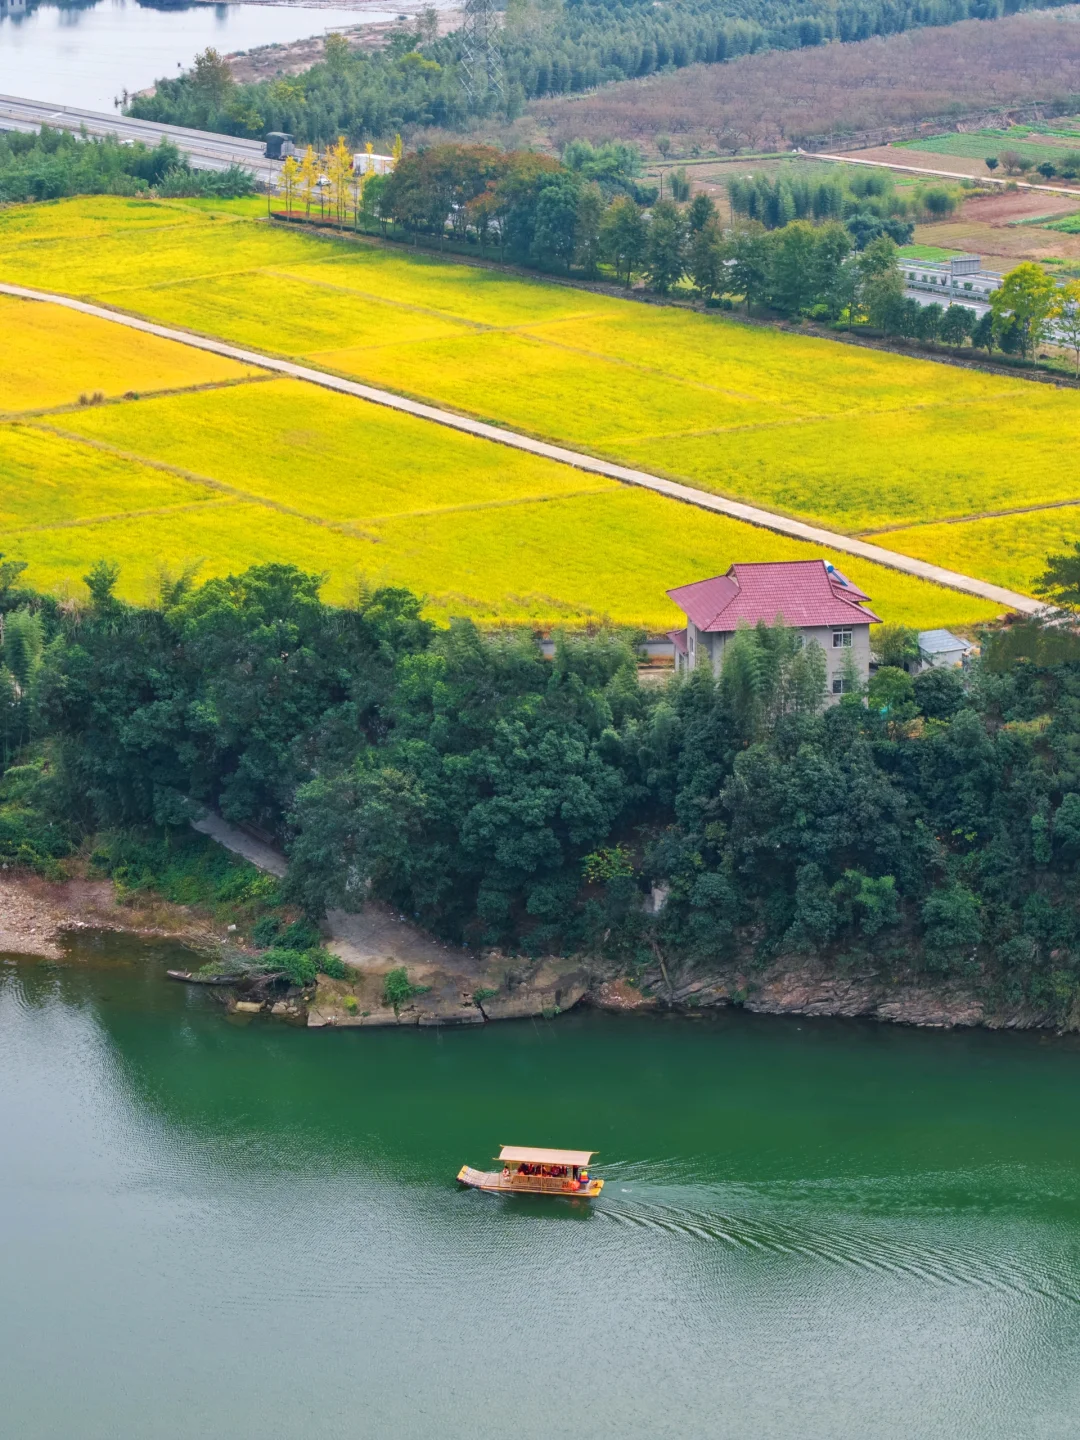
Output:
(811, 1230)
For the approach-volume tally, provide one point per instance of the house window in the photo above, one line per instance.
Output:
(841, 639)
(840, 685)
(691, 643)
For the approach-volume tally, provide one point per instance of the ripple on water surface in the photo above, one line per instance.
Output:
(808, 1232)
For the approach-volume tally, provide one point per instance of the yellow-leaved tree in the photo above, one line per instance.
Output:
(288, 181)
(308, 177)
(339, 174)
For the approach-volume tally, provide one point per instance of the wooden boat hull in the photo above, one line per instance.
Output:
(527, 1184)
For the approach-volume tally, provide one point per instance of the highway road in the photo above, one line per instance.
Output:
(204, 150)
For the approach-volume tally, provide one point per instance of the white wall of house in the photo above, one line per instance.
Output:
(838, 642)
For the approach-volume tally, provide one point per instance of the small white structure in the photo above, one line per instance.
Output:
(942, 650)
(961, 278)
(365, 164)
(808, 595)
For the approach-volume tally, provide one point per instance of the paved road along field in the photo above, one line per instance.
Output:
(206, 151)
(767, 519)
(943, 174)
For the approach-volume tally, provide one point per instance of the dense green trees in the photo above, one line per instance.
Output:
(55, 163)
(504, 798)
(587, 212)
(1024, 306)
(545, 50)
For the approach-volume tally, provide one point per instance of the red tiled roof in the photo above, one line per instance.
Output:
(800, 592)
(678, 639)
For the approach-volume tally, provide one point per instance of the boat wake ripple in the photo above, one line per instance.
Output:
(846, 1243)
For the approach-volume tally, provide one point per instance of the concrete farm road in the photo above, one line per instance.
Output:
(719, 505)
(942, 174)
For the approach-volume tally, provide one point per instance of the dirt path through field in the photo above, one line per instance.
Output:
(736, 509)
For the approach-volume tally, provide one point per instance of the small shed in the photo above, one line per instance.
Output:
(365, 164)
(941, 649)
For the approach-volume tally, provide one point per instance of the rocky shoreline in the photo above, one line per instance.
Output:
(459, 987)
(36, 914)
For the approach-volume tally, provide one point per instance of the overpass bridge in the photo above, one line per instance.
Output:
(204, 150)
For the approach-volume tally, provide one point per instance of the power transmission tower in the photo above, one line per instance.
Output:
(481, 63)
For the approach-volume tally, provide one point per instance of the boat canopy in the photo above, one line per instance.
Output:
(545, 1157)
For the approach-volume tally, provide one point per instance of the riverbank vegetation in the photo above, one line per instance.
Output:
(929, 826)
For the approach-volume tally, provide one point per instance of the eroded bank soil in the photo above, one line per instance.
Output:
(34, 914)
(454, 986)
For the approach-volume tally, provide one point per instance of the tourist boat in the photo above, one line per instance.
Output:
(527, 1171)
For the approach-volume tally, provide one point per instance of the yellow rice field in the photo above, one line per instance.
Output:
(1008, 549)
(52, 356)
(47, 481)
(850, 437)
(291, 444)
(855, 439)
(279, 470)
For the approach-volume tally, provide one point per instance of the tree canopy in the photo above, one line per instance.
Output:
(506, 799)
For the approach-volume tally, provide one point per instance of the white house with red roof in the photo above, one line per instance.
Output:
(807, 595)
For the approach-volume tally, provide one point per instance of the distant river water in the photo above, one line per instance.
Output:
(811, 1230)
(87, 55)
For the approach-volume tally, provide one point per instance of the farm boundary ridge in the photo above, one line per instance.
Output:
(751, 514)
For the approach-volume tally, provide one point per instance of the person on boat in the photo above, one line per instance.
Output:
(584, 1178)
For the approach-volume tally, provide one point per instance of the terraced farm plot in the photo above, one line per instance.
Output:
(828, 470)
(1030, 144)
(93, 215)
(281, 470)
(693, 396)
(268, 312)
(52, 356)
(109, 264)
(849, 437)
(47, 481)
(1009, 550)
(469, 292)
(325, 455)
